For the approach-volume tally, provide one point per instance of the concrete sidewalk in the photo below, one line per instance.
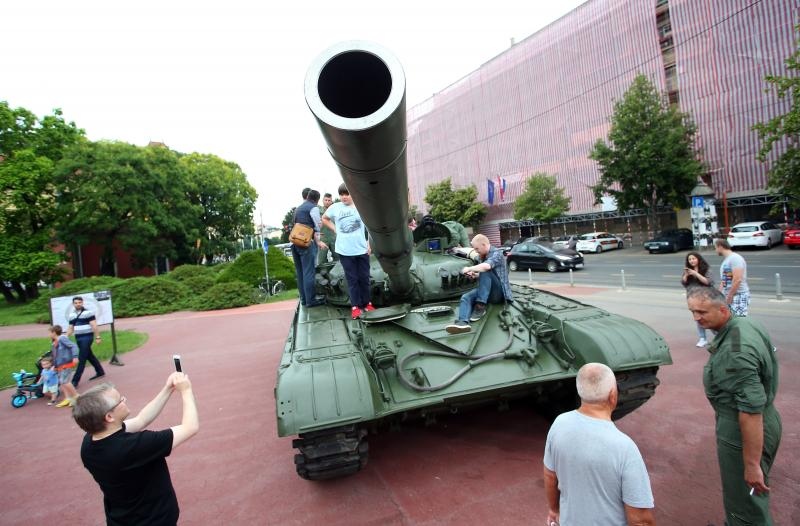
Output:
(477, 468)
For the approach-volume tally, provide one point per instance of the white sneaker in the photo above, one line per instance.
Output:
(701, 342)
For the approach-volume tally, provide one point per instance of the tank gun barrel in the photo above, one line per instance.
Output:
(356, 91)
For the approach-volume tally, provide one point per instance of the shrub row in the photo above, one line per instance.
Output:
(187, 287)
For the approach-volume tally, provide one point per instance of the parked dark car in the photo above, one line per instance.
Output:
(536, 256)
(671, 241)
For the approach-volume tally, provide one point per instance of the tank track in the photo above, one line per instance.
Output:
(331, 453)
(635, 388)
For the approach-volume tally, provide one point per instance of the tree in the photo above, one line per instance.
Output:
(225, 200)
(542, 200)
(29, 149)
(287, 223)
(650, 158)
(113, 192)
(784, 176)
(459, 205)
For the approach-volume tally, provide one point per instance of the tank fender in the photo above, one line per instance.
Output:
(321, 393)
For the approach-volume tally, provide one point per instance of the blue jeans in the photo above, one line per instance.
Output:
(305, 261)
(489, 290)
(356, 272)
(85, 353)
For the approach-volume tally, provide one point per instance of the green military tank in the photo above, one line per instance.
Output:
(339, 378)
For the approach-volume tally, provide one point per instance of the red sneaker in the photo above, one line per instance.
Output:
(369, 307)
(355, 312)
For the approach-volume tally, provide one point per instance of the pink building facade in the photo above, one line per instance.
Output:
(541, 105)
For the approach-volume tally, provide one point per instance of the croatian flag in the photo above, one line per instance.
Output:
(501, 186)
(490, 190)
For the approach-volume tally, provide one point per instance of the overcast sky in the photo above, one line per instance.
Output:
(226, 77)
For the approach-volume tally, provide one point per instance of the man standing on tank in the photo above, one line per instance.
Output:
(593, 472)
(740, 381)
(327, 235)
(493, 285)
(305, 258)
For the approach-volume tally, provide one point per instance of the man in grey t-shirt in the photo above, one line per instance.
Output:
(593, 472)
(733, 278)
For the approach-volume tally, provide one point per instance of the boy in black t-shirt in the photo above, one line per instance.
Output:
(129, 462)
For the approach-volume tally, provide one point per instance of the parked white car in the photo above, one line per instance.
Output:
(598, 242)
(755, 234)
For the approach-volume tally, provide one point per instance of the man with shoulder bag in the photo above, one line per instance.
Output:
(305, 243)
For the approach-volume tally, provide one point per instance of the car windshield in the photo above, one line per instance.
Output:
(744, 229)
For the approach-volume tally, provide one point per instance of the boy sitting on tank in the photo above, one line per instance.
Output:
(493, 285)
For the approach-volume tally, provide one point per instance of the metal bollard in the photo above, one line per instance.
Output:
(778, 288)
(622, 275)
(530, 276)
(571, 281)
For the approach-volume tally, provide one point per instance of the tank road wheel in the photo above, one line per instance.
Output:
(552, 266)
(331, 453)
(635, 388)
(512, 266)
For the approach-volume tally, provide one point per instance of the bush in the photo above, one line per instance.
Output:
(225, 296)
(249, 268)
(142, 296)
(197, 278)
(186, 272)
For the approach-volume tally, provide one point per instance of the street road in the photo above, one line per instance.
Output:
(643, 270)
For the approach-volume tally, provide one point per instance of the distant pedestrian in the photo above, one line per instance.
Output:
(128, 461)
(493, 285)
(733, 278)
(305, 258)
(697, 273)
(83, 324)
(593, 472)
(327, 236)
(353, 249)
(740, 381)
(65, 359)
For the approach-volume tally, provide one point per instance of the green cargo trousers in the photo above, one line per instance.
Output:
(742, 509)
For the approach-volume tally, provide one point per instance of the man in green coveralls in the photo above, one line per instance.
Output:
(740, 380)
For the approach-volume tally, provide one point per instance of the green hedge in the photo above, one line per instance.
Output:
(225, 296)
(142, 296)
(249, 268)
(187, 287)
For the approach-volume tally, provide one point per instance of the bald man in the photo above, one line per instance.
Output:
(493, 286)
(593, 472)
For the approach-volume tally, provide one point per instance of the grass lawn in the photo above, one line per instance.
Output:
(22, 354)
(291, 294)
(16, 314)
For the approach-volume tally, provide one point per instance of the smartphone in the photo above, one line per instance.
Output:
(177, 359)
